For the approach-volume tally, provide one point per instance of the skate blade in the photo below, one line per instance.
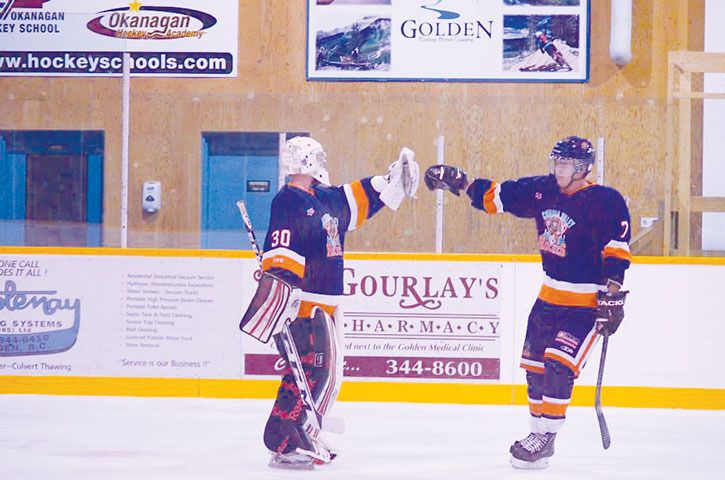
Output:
(540, 464)
(285, 465)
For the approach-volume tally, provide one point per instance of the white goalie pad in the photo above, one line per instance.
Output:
(403, 178)
(274, 304)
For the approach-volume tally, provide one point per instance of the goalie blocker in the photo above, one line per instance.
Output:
(274, 303)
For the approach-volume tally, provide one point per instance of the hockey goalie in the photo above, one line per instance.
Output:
(300, 291)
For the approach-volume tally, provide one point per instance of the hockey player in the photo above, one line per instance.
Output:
(583, 235)
(303, 272)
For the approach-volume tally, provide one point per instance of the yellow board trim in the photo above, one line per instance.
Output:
(459, 393)
(386, 256)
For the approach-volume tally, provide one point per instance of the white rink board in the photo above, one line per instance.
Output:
(668, 338)
(139, 316)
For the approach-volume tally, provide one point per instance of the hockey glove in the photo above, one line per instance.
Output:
(610, 311)
(446, 177)
(401, 180)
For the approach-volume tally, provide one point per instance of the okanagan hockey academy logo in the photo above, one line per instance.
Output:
(7, 6)
(330, 224)
(553, 240)
(36, 322)
(141, 22)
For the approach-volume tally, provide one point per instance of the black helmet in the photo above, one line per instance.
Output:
(575, 148)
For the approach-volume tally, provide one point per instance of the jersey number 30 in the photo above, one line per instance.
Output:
(281, 238)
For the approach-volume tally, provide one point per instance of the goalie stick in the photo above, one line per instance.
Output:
(407, 187)
(603, 428)
(317, 421)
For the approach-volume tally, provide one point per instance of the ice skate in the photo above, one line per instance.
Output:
(292, 461)
(323, 443)
(533, 452)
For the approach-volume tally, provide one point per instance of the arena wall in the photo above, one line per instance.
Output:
(498, 130)
(142, 322)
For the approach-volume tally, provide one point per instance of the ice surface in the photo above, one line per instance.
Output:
(66, 437)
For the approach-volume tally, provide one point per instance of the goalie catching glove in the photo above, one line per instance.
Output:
(400, 182)
(446, 177)
(610, 311)
(275, 303)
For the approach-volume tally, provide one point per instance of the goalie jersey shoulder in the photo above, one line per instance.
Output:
(305, 238)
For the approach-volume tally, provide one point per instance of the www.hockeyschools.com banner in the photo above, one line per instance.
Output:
(88, 37)
(443, 40)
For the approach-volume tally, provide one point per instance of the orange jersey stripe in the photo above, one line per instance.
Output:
(568, 299)
(617, 253)
(286, 263)
(307, 306)
(361, 198)
(564, 361)
(488, 199)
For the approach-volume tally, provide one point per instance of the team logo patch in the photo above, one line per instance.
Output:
(334, 246)
(310, 211)
(553, 239)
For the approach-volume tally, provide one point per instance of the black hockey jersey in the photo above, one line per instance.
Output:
(306, 237)
(583, 237)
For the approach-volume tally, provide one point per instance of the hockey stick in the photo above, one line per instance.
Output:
(334, 425)
(603, 428)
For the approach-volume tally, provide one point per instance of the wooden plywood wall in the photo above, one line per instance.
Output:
(495, 130)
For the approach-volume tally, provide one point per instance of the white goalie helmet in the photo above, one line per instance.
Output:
(305, 155)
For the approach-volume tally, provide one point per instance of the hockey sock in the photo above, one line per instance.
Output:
(557, 388)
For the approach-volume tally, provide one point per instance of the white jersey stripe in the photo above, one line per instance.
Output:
(497, 199)
(572, 287)
(616, 244)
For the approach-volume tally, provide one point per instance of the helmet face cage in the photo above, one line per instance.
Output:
(576, 150)
(305, 155)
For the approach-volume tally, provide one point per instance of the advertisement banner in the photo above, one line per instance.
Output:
(114, 316)
(448, 40)
(428, 321)
(177, 38)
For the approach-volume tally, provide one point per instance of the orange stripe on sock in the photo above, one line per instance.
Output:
(554, 410)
